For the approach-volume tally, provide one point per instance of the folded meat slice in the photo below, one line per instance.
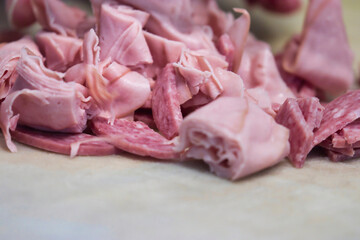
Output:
(301, 116)
(40, 99)
(80, 144)
(9, 57)
(54, 15)
(258, 70)
(234, 136)
(134, 137)
(165, 103)
(61, 52)
(321, 54)
(19, 13)
(121, 35)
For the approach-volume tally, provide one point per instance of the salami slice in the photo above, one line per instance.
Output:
(134, 137)
(338, 157)
(337, 114)
(301, 116)
(63, 142)
(165, 103)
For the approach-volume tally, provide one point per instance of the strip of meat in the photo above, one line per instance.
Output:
(62, 142)
(19, 13)
(339, 157)
(238, 140)
(226, 48)
(134, 137)
(165, 103)
(300, 116)
(325, 64)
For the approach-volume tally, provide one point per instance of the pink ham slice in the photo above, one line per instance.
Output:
(301, 116)
(19, 13)
(326, 64)
(40, 99)
(238, 140)
(9, 57)
(63, 143)
(134, 137)
(226, 48)
(56, 16)
(165, 103)
(121, 35)
(61, 52)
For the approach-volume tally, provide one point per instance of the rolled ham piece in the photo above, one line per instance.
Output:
(238, 140)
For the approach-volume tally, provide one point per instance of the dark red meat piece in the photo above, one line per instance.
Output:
(134, 137)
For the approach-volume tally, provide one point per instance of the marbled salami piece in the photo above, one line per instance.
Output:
(134, 137)
(337, 114)
(165, 103)
(338, 157)
(301, 116)
(62, 142)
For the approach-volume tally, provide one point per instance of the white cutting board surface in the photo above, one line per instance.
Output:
(49, 196)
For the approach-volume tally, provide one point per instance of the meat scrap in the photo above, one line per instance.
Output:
(301, 116)
(134, 137)
(64, 143)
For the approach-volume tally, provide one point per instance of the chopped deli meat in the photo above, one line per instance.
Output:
(165, 103)
(177, 80)
(301, 116)
(80, 144)
(9, 57)
(40, 99)
(229, 141)
(327, 64)
(280, 6)
(134, 137)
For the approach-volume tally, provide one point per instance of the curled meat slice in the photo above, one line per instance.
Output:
(165, 103)
(19, 13)
(134, 137)
(325, 64)
(80, 144)
(300, 116)
(9, 57)
(238, 140)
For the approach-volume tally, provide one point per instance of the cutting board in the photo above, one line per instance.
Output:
(50, 196)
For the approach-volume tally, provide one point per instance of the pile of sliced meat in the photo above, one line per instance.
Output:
(178, 80)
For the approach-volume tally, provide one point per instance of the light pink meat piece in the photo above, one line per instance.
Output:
(197, 68)
(300, 116)
(279, 6)
(338, 114)
(61, 52)
(54, 15)
(226, 48)
(163, 51)
(312, 56)
(165, 103)
(238, 140)
(9, 57)
(40, 99)
(63, 142)
(19, 13)
(238, 34)
(121, 36)
(134, 137)
(258, 69)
